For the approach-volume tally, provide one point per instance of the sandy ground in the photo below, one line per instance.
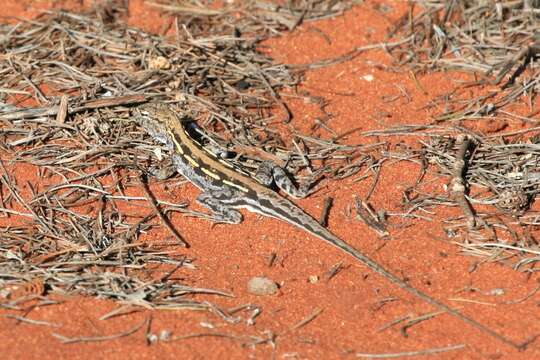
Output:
(356, 303)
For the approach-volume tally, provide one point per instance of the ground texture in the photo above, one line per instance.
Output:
(357, 305)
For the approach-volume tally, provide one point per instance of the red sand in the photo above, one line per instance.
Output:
(353, 302)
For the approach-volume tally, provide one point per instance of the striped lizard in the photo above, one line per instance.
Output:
(226, 188)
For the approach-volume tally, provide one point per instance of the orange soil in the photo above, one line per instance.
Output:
(354, 302)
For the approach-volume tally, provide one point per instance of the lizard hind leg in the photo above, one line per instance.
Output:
(269, 173)
(221, 212)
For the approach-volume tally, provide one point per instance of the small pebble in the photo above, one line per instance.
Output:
(164, 335)
(262, 286)
(152, 338)
(368, 78)
(496, 292)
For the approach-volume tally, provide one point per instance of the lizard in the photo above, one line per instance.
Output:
(225, 188)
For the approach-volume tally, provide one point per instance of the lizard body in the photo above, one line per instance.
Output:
(225, 188)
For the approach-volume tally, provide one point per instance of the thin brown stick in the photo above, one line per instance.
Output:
(457, 184)
(88, 339)
(323, 219)
(410, 353)
(165, 221)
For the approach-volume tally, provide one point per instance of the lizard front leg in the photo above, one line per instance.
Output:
(269, 173)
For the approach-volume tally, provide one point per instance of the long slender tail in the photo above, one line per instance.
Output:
(281, 208)
(373, 265)
(309, 224)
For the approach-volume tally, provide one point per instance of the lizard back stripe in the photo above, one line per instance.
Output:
(210, 173)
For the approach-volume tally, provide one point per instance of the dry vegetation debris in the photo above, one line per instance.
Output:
(84, 75)
(499, 43)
